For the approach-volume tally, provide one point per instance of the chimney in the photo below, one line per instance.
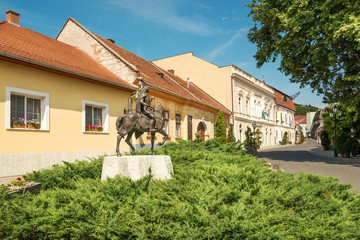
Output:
(12, 17)
(188, 82)
(171, 70)
(110, 40)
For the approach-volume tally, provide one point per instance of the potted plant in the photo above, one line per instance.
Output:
(250, 142)
(22, 186)
(33, 124)
(100, 128)
(325, 141)
(284, 139)
(19, 123)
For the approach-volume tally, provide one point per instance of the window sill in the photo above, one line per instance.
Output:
(28, 129)
(93, 132)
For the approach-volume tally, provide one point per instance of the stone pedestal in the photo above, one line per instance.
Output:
(136, 167)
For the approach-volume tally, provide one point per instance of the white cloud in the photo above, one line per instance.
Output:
(164, 12)
(222, 48)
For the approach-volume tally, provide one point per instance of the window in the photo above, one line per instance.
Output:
(239, 99)
(27, 109)
(166, 122)
(95, 117)
(247, 106)
(178, 125)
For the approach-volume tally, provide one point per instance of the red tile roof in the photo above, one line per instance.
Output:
(280, 99)
(300, 119)
(164, 80)
(28, 45)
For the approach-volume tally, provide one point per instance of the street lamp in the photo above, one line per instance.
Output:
(337, 112)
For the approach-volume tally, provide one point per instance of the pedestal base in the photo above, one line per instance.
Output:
(136, 167)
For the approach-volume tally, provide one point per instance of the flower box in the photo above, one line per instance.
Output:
(18, 125)
(33, 189)
(33, 127)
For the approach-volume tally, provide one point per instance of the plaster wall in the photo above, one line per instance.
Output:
(74, 35)
(214, 80)
(65, 139)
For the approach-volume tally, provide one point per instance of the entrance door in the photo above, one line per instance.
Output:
(190, 128)
(201, 130)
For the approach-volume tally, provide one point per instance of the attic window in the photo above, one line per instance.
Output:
(284, 99)
(160, 74)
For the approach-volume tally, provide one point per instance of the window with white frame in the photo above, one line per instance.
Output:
(239, 103)
(247, 106)
(95, 117)
(26, 109)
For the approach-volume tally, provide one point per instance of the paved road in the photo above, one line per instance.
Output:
(310, 158)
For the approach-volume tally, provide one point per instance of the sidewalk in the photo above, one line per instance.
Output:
(319, 151)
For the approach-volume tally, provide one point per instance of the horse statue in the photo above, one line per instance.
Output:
(131, 123)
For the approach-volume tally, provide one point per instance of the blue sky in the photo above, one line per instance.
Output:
(154, 29)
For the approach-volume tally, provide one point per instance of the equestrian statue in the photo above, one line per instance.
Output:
(146, 119)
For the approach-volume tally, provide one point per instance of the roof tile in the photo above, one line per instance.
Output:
(25, 43)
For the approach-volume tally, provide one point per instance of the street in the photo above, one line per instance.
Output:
(310, 158)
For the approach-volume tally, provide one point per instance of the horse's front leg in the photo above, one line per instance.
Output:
(119, 137)
(152, 142)
(128, 138)
(162, 131)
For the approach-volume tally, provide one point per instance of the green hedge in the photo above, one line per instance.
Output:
(217, 192)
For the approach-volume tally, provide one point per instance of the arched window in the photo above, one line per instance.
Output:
(201, 129)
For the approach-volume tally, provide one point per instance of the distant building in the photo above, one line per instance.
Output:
(302, 123)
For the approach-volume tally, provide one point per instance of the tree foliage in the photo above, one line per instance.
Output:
(220, 131)
(302, 109)
(318, 42)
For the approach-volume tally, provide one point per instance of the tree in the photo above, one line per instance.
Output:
(303, 109)
(220, 131)
(318, 42)
(230, 134)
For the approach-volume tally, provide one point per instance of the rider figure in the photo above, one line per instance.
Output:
(143, 107)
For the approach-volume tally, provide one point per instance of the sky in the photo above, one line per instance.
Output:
(153, 29)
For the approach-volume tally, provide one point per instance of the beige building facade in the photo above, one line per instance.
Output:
(249, 99)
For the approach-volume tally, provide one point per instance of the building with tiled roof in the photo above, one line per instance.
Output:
(249, 99)
(188, 108)
(301, 121)
(285, 115)
(51, 92)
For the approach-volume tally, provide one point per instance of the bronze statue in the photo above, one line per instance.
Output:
(146, 119)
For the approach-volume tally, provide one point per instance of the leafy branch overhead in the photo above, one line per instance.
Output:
(318, 43)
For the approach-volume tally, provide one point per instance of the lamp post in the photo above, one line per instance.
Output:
(333, 116)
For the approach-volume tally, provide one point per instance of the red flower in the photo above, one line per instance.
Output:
(19, 179)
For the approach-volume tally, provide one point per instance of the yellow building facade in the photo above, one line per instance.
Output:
(249, 99)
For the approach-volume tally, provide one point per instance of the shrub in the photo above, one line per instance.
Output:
(302, 137)
(217, 192)
(285, 139)
(345, 144)
(231, 137)
(198, 138)
(325, 141)
(220, 131)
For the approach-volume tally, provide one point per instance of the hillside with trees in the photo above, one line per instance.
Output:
(302, 109)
